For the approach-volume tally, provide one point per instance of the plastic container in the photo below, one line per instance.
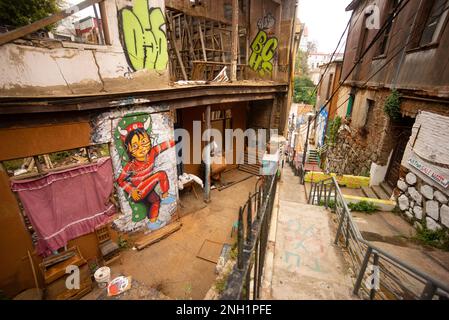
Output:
(103, 277)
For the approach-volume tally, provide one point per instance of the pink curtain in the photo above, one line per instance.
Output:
(67, 204)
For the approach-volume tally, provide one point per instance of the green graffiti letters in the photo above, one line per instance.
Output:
(264, 49)
(144, 40)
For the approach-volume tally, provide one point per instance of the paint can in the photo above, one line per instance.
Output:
(103, 277)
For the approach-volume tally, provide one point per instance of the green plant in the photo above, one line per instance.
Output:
(363, 206)
(220, 284)
(123, 243)
(366, 173)
(304, 90)
(330, 204)
(19, 13)
(332, 130)
(393, 105)
(438, 239)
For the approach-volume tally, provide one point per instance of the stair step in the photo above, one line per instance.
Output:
(380, 193)
(388, 190)
(369, 193)
(250, 169)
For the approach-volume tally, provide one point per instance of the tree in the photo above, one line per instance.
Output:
(19, 13)
(302, 67)
(304, 90)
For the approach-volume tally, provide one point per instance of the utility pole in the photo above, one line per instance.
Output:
(306, 146)
(235, 39)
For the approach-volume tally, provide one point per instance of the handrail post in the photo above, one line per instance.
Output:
(340, 226)
(363, 267)
(240, 239)
(310, 194)
(372, 294)
(429, 291)
(325, 196)
(249, 220)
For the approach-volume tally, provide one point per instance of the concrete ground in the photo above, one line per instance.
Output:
(392, 233)
(305, 263)
(171, 266)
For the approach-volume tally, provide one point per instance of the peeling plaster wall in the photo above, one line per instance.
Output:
(48, 67)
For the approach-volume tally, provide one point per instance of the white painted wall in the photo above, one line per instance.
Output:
(429, 143)
(378, 172)
(66, 68)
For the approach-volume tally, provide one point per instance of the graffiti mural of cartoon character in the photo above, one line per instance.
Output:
(145, 187)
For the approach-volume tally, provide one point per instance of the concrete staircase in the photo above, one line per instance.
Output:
(381, 192)
(313, 157)
(252, 162)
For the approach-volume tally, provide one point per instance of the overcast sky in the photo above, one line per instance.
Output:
(325, 20)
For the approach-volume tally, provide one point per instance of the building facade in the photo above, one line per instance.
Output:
(400, 83)
(164, 65)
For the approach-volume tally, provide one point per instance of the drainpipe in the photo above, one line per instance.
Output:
(207, 161)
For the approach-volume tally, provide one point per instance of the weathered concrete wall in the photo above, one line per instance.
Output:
(48, 67)
(427, 153)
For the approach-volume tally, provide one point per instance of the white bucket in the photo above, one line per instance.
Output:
(103, 276)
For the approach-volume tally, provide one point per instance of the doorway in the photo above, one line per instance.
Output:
(402, 132)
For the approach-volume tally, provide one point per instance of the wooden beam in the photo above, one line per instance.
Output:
(235, 39)
(23, 31)
(157, 235)
(202, 40)
(175, 48)
(104, 21)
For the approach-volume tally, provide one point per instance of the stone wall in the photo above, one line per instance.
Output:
(422, 204)
(368, 138)
(350, 154)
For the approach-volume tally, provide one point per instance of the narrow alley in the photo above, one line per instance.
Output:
(307, 265)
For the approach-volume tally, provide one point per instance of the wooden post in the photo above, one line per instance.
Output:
(203, 46)
(38, 164)
(175, 48)
(235, 39)
(104, 22)
(207, 161)
(100, 26)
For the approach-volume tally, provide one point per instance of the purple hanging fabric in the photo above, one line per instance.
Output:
(67, 204)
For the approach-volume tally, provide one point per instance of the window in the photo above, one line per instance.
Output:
(389, 9)
(430, 23)
(434, 23)
(84, 26)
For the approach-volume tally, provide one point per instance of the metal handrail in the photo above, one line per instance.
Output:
(432, 286)
(252, 248)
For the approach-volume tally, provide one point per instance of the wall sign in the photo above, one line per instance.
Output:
(438, 178)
